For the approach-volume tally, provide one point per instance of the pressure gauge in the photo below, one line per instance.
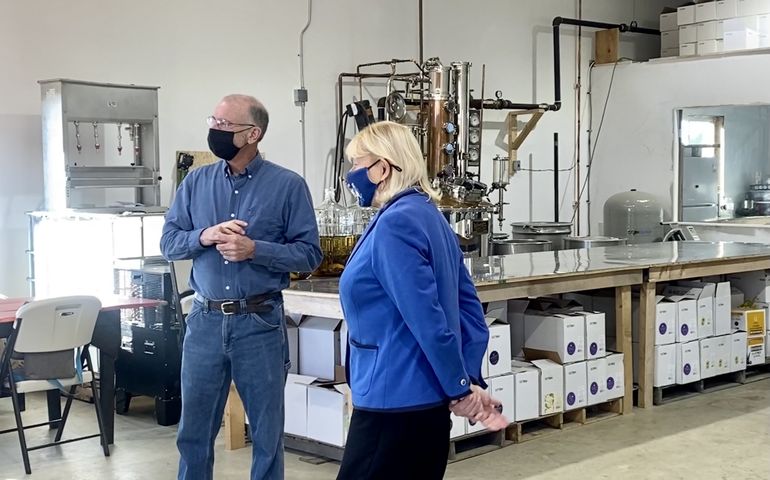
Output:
(449, 148)
(473, 155)
(449, 128)
(474, 137)
(474, 119)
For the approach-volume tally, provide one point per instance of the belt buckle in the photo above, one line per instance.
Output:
(228, 308)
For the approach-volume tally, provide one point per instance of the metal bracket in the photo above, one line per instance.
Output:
(516, 138)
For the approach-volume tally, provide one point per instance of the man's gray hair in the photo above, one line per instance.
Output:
(257, 111)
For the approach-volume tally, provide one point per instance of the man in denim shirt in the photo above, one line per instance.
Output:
(246, 223)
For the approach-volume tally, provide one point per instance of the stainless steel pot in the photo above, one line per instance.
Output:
(589, 242)
(553, 232)
(522, 245)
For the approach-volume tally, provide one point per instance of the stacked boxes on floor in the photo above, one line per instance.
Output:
(710, 27)
(752, 315)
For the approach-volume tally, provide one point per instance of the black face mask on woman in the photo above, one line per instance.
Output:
(221, 143)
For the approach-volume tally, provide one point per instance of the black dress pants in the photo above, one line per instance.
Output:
(397, 445)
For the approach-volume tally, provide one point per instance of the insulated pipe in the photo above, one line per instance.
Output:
(556, 177)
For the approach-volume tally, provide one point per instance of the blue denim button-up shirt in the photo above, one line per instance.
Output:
(278, 207)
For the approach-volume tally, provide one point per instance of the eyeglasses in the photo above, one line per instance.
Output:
(222, 124)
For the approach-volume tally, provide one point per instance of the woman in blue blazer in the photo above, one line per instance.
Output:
(416, 327)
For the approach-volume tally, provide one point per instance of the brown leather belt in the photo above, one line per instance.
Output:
(253, 304)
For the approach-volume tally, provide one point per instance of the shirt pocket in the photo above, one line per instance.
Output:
(363, 362)
(265, 223)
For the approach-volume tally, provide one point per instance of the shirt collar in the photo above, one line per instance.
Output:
(251, 168)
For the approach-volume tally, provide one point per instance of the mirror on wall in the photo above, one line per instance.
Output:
(724, 162)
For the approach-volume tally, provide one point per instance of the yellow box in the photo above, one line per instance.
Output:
(755, 350)
(751, 321)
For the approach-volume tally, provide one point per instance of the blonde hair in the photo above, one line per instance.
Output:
(396, 144)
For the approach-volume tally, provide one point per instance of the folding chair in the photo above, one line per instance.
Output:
(183, 295)
(53, 326)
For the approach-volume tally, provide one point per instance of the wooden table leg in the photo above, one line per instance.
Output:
(623, 333)
(235, 421)
(646, 367)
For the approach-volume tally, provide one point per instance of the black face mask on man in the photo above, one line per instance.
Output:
(221, 143)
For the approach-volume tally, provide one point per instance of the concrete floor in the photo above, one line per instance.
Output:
(720, 435)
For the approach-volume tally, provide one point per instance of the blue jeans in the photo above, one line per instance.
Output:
(251, 349)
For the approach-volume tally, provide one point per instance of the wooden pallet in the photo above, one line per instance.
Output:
(475, 444)
(527, 430)
(671, 393)
(755, 373)
(594, 413)
(313, 447)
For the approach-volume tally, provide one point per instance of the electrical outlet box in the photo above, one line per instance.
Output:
(300, 95)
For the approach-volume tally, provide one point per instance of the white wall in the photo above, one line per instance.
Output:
(636, 148)
(199, 51)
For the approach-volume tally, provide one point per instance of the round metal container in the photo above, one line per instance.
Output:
(553, 232)
(522, 245)
(571, 243)
(636, 216)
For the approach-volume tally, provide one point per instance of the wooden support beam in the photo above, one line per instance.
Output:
(606, 46)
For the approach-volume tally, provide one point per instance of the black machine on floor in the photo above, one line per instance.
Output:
(150, 357)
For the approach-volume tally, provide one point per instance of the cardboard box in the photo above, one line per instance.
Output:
(767, 344)
(720, 29)
(708, 357)
(615, 376)
(737, 298)
(688, 34)
(686, 318)
(740, 40)
(727, 9)
(705, 12)
(665, 365)
(551, 386)
(328, 413)
(688, 49)
(596, 378)
(595, 340)
(685, 15)
(343, 343)
(703, 293)
(319, 348)
(295, 404)
(723, 353)
(526, 391)
(756, 353)
(754, 285)
(559, 337)
(516, 309)
(720, 45)
(497, 358)
(458, 426)
(764, 41)
(575, 376)
(669, 39)
(665, 320)
(706, 31)
(763, 24)
(751, 321)
(722, 319)
(753, 7)
(687, 362)
(292, 337)
(502, 389)
(739, 347)
(668, 22)
(669, 52)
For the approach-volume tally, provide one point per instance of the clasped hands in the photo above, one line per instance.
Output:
(230, 239)
(479, 406)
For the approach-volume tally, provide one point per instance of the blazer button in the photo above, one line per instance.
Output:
(463, 382)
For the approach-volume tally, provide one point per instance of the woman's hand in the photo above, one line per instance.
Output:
(479, 406)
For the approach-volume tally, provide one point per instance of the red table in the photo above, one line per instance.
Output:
(106, 338)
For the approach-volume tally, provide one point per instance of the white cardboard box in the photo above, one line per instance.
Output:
(722, 308)
(739, 342)
(319, 347)
(737, 298)
(575, 376)
(328, 413)
(556, 336)
(688, 34)
(703, 293)
(295, 404)
(754, 285)
(668, 22)
(526, 391)
(497, 358)
(292, 337)
(595, 339)
(615, 374)
(669, 39)
(720, 29)
(502, 389)
(756, 353)
(665, 365)
(727, 9)
(740, 40)
(763, 24)
(753, 7)
(687, 362)
(723, 353)
(596, 378)
(767, 343)
(685, 15)
(669, 52)
(458, 426)
(686, 318)
(707, 31)
(705, 12)
(551, 386)
(737, 24)
(708, 357)
(750, 320)
(516, 309)
(688, 49)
